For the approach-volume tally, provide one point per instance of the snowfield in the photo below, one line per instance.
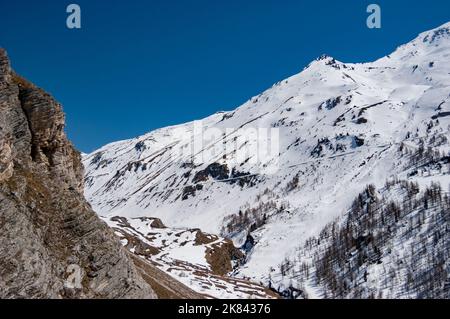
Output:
(342, 126)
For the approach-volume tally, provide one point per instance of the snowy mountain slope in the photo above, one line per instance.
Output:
(198, 260)
(393, 243)
(340, 126)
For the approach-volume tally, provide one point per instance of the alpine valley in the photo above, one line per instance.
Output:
(358, 208)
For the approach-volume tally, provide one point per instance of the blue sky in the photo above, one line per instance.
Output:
(139, 65)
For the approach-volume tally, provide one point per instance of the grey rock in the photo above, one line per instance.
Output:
(52, 245)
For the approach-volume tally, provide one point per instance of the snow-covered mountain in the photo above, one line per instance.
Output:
(340, 126)
(198, 260)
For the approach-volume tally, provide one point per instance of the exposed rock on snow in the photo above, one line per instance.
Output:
(201, 261)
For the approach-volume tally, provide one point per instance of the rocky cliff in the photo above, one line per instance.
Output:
(291, 160)
(52, 245)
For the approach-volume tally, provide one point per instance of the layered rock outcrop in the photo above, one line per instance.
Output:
(52, 245)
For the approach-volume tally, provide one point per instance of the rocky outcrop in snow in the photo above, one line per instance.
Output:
(201, 261)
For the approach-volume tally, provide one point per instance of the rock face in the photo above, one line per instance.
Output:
(52, 244)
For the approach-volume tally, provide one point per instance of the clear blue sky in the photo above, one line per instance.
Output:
(138, 65)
